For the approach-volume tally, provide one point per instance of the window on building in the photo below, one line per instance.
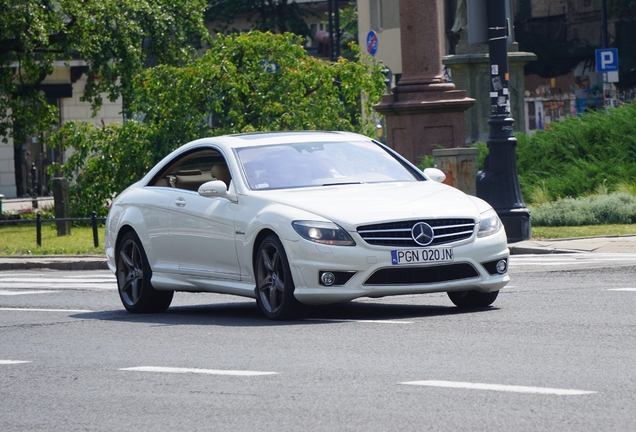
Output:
(385, 14)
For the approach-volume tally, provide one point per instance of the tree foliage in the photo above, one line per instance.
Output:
(116, 38)
(348, 30)
(246, 82)
(623, 10)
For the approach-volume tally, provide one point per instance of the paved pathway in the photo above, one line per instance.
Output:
(17, 204)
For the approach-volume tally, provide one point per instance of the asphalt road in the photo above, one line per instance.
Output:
(556, 352)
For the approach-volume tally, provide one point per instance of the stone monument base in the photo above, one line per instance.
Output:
(421, 121)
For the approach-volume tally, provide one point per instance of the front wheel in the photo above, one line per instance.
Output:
(133, 279)
(472, 299)
(274, 284)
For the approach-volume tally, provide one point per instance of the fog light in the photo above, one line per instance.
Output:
(327, 278)
(502, 266)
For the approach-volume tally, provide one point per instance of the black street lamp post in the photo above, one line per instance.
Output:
(498, 183)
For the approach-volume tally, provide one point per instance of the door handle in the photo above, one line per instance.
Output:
(180, 202)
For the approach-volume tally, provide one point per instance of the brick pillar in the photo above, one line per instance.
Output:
(424, 112)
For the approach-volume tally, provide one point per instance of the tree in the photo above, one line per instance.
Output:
(623, 10)
(278, 16)
(348, 31)
(245, 82)
(116, 38)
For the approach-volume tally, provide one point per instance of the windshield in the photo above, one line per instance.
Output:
(320, 164)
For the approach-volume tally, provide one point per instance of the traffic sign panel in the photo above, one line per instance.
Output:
(372, 42)
(607, 60)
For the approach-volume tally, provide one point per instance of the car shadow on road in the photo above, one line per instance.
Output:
(246, 313)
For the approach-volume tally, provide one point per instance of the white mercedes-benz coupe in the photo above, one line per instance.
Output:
(292, 218)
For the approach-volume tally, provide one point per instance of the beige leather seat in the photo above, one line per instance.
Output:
(221, 172)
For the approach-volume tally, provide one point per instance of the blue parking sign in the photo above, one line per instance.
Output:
(607, 60)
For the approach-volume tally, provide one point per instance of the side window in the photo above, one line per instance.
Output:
(189, 171)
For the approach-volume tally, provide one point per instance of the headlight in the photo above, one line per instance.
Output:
(490, 223)
(323, 232)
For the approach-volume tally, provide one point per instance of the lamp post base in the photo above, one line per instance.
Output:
(517, 224)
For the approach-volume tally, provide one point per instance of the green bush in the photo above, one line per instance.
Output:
(580, 154)
(618, 208)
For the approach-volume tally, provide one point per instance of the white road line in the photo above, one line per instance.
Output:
(621, 289)
(500, 387)
(570, 259)
(15, 293)
(12, 362)
(196, 371)
(554, 263)
(46, 310)
(360, 321)
(58, 280)
(60, 285)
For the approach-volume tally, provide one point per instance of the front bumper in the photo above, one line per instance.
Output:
(466, 272)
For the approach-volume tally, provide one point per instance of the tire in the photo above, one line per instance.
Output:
(274, 284)
(133, 279)
(472, 299)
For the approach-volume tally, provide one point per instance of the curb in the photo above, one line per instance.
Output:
(53, 263)
(528, 250)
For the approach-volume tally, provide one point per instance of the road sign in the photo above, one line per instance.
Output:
(372, 42)
(607, 60)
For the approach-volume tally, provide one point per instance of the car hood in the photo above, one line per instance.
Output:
(358, 204)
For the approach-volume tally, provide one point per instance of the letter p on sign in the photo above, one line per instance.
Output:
(607, 60)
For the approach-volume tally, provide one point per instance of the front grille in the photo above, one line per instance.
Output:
(399, 233)
(422, 275)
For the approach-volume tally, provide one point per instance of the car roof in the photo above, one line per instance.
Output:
(269, 138)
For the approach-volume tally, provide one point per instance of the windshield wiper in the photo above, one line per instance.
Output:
(342, 183)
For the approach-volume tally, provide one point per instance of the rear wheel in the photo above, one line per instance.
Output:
(133, 279)
(473, 299)
(274, 284)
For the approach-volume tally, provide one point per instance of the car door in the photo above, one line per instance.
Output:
(154, 204)
(202, 228)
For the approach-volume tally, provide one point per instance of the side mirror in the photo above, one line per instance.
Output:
(216, 189)
(435, 174)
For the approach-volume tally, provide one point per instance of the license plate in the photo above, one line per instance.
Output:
(414, 256)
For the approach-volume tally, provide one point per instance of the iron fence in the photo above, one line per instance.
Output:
(39, 221)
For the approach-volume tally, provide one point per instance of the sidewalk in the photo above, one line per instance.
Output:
(17, 204)
(608, 244)
(616, 244)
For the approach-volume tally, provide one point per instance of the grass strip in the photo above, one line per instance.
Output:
(21, 240)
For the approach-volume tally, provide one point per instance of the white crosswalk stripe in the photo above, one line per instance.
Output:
(15, 293)
(13, 362)
(12, 282)
(571, 260)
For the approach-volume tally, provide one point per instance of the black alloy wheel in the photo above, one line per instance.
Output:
(274, 284)
(133, 279)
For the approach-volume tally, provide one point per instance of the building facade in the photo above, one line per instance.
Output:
(563, 34)
(23, 166)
